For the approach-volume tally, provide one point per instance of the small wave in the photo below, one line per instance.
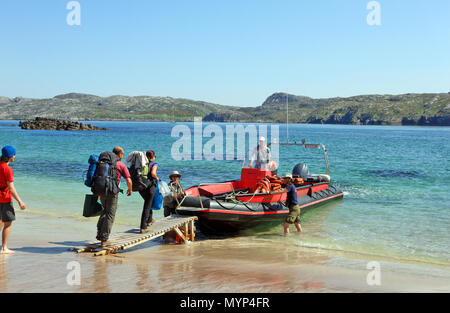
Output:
(384, 255)
(394, 173)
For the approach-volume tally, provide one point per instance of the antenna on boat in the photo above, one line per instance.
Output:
(287, 118)
(173, 113)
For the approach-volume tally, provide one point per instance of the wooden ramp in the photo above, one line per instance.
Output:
(182, 225)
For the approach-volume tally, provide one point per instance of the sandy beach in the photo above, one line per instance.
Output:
(330, 115)
(42, 254)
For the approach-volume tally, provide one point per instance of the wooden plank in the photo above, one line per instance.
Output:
(138, 243)
(102, 252)
(131, 238)
(191, 226)
(180, 234)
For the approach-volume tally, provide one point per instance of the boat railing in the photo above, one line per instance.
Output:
(246, 160)
(307, 146)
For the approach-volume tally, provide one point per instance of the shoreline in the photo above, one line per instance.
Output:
(211, 265)
(123, 223)
(236, 122)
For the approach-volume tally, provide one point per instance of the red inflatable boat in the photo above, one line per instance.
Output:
(256, 198)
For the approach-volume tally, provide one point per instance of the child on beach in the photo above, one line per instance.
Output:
(7, 192)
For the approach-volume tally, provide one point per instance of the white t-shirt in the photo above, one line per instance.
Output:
(260, 157)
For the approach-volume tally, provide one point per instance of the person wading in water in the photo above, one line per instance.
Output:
(292, 204)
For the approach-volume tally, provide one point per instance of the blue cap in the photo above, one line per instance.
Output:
(8, 151)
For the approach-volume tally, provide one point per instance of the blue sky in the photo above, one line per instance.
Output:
(227, 52)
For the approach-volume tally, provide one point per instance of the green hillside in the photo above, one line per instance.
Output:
(407, 109)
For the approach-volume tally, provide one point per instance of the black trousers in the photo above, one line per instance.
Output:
(147, 212)
(106, 220)
(169, 209)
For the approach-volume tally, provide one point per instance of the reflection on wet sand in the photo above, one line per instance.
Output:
(255, 269)
(142, 276)
(98, 280)
(206, 267)
(3, 273)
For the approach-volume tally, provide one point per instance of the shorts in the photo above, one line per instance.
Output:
(294, 215)
(7, 213)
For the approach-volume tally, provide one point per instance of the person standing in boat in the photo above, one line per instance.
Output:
(149, 193)
(176, 192)
(292, 204)
(7, 193)
(261, 155)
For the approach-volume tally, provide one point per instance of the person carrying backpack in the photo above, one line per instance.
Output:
(138, 170)
(7, 193)
(106, 184)
(149, 193)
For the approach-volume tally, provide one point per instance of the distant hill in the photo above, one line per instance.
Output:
(407, 109)
(76, 106)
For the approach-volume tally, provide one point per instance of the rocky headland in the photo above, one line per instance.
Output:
(40, 123)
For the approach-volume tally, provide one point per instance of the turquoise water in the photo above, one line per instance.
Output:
(396, 181)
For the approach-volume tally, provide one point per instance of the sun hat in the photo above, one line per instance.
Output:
(8, 151)
(287, 175)
(262, 138)
(175, 173)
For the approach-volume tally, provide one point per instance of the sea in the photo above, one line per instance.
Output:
(396, 205)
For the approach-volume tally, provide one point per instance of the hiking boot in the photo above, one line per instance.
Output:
(104, 243)
(153, 220)
(146, 230)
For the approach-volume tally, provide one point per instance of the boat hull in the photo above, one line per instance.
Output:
(225, 217)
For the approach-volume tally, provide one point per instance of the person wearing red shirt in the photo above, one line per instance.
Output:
(7, 193)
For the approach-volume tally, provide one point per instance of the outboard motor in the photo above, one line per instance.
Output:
(300, 170)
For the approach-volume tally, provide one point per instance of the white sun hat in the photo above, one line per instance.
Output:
(175, 173)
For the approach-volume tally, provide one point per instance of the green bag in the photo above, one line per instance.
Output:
(92, 207)
(144, 171)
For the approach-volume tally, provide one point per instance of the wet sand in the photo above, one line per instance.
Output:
(231, 265)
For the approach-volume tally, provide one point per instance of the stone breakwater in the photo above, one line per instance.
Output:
(40, 123)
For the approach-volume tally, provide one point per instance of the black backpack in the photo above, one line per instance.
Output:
(105, 176)
(140, 182)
